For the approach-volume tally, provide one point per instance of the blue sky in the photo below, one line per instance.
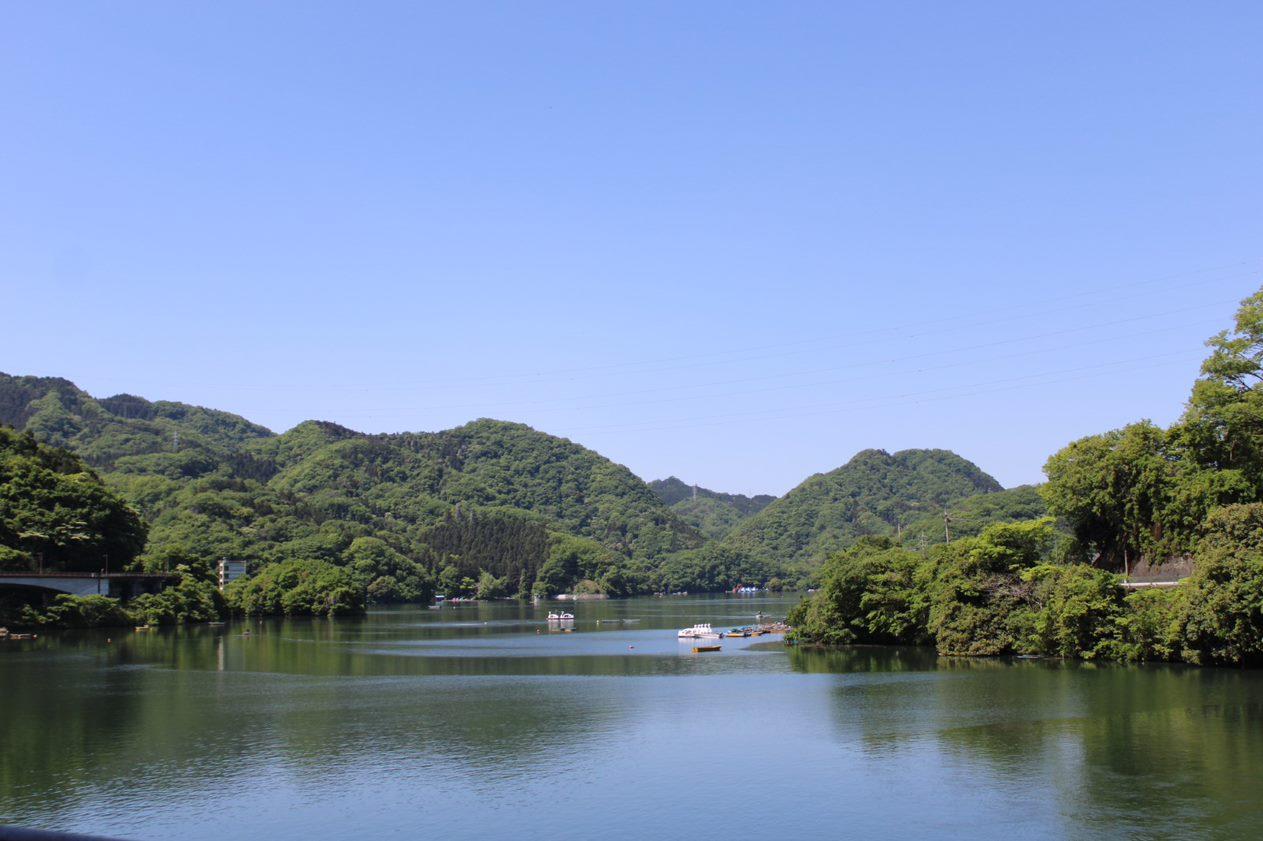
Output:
(736, 242)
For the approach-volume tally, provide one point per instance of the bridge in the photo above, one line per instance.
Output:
(122, 585)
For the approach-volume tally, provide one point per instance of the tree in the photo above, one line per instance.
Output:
(1225, 597)
(56, 512)
(1135, 492)
(1224, 419)
(297, 587)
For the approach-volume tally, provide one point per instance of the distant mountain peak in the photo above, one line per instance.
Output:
(871, 493)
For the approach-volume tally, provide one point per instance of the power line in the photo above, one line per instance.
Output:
(936, 353)
(898, 399)
(1038, 309)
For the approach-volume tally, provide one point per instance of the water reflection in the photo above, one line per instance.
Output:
(394, 723)
(1154, 751)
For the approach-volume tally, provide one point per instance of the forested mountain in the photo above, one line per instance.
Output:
(175, 436)
(970, 516)
(1192, 491)
(710, 512)
(490, 506)
(872, 494)
(487, 497)
(55, 513)
(673, 491)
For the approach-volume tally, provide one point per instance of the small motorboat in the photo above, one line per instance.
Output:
(702, 649)
(561, 617)
(702, 630)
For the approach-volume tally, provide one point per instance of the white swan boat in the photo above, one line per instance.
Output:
(699, 631)
(561, 617)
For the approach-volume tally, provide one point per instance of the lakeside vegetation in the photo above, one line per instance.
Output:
(1138, 493)
(487, 509)
(330, 521)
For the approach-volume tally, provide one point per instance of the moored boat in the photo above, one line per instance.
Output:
(701, 630)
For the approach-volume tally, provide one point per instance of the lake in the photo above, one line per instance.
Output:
(479, 721)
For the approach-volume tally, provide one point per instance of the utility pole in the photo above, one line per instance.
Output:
(947, 526)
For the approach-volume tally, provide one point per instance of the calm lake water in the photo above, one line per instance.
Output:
(478, 722)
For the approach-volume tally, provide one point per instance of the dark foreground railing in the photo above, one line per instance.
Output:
(14, 833)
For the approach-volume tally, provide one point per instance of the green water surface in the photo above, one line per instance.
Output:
(481, 721)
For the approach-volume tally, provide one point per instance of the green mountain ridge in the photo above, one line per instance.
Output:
(489, 497)
(872, 494)
(970, 516)
(712, 513)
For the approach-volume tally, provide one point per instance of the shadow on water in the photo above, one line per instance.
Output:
(490, 709)
(1164, 751)
(133, 715)
(171, 712)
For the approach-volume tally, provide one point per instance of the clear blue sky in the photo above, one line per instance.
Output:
(737, 242)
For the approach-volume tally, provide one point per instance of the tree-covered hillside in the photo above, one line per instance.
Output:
(488, 497)
(872, 494)
(55, 513)
(970, 516)
(1193, 490)
(123, 430)
(490, 507)
(710, 512)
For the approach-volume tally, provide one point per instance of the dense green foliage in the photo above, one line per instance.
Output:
(992, 594)
(1138, 493)
(192, 598)
(55, 513)
(171, 437)
(485, 508)
(1146, 491)
(968, 517)
(297, 587)
(712, 513)
(873, 494)
(330, 520)
(385, 574)
(713, 518)
(76, 612)
(478, 509)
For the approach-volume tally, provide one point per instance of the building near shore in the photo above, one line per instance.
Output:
(230, 571)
